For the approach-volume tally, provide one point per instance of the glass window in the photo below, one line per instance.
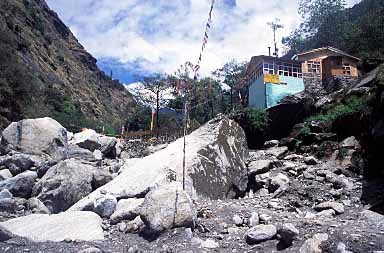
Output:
(346, 69)
(313, 67)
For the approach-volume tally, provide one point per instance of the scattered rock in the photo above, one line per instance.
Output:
(105, 205)
(271, 144)
(260, 166)
(92, 141)
(126, 209)
(18, 163)
(373, 218)
(98, 155)
(338, 207)
(278, 184)
(83, 226)
(237, 220)
(342, 248)
(91, 250)
(293, 157)
(5, 174)
(312, 245)
(265, 218)
(20, 185)
(210, 244)
(253, 220)
(350, 143)
(8, 205)
(277, 152)
(167, 207)
(339, 181)
(288, 233)
(262, 180)
(5, 194)
(329, 213)
(37, 206)
(260, 233)
(310, 160)
(135, 226)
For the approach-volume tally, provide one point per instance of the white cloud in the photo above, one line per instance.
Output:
(160, 35)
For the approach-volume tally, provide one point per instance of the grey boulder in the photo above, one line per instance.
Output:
(18, 163)
(260, 233)
(81, 226)
(338, 207)
(105, 206)
(288, 233)
(167, 207)
(66, 183)
(20, 185)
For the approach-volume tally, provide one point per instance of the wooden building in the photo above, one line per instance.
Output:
(327, 64)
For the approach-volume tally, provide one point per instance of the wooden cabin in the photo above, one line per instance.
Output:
(322, 66)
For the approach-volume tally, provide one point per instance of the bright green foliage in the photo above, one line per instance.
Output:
(350, 106)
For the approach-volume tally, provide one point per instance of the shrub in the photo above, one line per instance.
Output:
(350, 106)
(255, 123)
(256, 118)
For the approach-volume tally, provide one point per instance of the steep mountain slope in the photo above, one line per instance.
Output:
(44, 71)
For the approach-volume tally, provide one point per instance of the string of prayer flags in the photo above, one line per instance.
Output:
(205, 39)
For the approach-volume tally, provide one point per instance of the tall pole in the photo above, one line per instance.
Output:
(275, 25)
(184, 137)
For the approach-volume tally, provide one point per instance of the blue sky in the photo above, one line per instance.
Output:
(139, 37)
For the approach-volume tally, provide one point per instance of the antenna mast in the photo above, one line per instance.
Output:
(275, 25)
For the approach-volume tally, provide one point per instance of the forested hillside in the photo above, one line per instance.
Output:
(44, 71)
(357, 30)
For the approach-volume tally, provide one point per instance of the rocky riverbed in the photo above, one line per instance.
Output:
(90, 193)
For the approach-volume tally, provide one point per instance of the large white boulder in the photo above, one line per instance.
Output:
(82, 226)
(35, 136)
(215, 155)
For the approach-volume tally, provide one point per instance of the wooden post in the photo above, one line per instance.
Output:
(185, 133)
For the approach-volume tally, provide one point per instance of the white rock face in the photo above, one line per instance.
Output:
(83, 226)
(35, 136)
(214, 165)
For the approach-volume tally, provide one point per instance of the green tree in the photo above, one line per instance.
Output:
(232, 74)
(317, 12)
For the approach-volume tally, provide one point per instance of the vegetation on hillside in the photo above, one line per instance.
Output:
(358, 30)
(44, 71)
(348, 107)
